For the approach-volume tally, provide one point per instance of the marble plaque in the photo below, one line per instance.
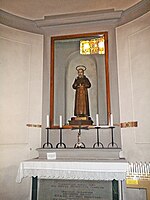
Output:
(74, 190)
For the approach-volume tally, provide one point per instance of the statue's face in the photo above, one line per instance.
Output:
(80, 73)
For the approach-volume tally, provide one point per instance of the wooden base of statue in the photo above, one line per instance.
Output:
(80, 121)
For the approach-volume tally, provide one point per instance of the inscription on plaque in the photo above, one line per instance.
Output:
(74, 190)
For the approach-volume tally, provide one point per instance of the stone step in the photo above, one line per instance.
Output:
(81, 154)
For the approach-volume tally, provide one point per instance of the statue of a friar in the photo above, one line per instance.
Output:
(81, 107)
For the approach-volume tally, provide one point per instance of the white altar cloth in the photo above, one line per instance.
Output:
(73, 169)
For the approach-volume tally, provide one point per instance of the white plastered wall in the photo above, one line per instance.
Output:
(133, 53)
(21, 64)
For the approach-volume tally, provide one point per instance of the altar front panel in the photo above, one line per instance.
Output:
(77, 190)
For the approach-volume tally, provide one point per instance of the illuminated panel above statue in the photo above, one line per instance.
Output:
(93, 46)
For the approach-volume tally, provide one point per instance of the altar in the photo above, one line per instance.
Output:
(102, 174)
(71, 165)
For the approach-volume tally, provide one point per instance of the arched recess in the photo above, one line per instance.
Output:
(89, 61)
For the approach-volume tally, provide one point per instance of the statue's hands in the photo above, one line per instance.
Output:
(81, 85)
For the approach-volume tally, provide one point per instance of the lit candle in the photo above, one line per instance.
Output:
(47, 121)
(97, 120)
(60, 121)
(111, 120)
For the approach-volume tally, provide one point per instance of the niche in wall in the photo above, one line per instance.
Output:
(65, 57)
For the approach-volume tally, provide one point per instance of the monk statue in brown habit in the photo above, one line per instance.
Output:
(81, 85)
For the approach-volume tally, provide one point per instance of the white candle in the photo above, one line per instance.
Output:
(47, 121)
(148, 172)
(132, 169)
(111, 120)
(97, 120)
(141, 168)
(136, 166)
(60, 121)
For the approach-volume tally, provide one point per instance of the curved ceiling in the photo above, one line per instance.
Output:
(37, 9)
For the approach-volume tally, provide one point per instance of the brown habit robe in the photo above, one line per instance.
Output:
(81, 86)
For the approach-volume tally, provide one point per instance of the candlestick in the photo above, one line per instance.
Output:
(47, 121)
(97, 120)
(60, 121)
